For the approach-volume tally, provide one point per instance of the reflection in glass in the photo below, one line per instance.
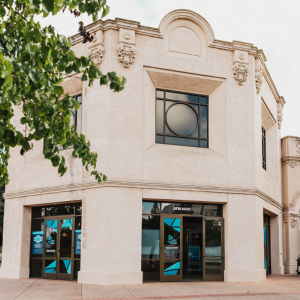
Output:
(203, 121)
(213, 210)
(38, 212)
(150, 269)
(36, 268)
(150, 236)
(65, 209)
(65, 237)
(181, 141)
(213, 232)
(182, 208)
(159, 116)
(203, 144)
(51, 235)
(78, 208)
(171, 238)
(213, 267)
(182, 97)
(159, 139)
(203, 100)
(160, 94)
(182, 119)
(151, 207)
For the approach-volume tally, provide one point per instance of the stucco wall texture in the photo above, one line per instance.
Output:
(181, 55)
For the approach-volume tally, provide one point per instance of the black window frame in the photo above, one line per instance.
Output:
(199, 138)
(264, 151)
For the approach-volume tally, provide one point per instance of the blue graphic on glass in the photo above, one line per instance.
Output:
(67, 223)
(78, 241)
(51, 267)
(173, 222)
(37, 238)
(173, 270)
(52, 224)
(67, 264)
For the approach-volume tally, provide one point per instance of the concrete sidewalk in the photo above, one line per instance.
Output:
(275, 287)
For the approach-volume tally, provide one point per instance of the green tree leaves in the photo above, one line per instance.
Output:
(33, 64)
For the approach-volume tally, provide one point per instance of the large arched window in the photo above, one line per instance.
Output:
(181, 119)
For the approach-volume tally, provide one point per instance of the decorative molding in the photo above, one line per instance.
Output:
(298, 147)
(293, 163)
(142, 185)
(126, 54)
(281, 100)
(240, 72)
(127, 35)
(97, 54)
(279, 118)
(258, 81)
(294, 223)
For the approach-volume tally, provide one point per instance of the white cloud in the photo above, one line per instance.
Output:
(271, 25)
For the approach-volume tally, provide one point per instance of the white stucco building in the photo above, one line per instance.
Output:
(200, 184)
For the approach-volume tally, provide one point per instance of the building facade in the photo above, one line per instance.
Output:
(192, 149)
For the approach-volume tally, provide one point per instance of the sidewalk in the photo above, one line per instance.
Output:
(275, 287)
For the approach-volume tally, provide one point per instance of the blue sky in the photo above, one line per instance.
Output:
(272, 25)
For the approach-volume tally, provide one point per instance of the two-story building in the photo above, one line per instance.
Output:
(192, 151)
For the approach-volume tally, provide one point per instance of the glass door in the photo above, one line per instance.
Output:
(51, 249)
(58, 248)
(213, 257)
(171, 249)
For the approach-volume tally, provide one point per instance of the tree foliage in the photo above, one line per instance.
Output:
(2, 189)
(33, 63)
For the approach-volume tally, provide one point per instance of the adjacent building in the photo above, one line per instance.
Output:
(200, 184)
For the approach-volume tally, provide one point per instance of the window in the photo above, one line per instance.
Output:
(181, 119)
(264, 156)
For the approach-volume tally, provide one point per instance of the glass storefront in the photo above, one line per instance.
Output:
(56, 241)
(182, 241)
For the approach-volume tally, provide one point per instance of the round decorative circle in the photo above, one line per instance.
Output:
(127, 35)
(182, 119)
(242, 56)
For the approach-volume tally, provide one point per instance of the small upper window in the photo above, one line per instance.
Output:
(181, 119)
(264, 155)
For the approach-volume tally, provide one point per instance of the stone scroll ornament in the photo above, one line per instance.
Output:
(258, 81)
(97, 54)
(240, 72)
(126, 54)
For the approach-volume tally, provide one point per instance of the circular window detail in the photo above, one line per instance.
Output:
(182, 119)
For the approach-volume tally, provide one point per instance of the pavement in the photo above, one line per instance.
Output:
(275, 287)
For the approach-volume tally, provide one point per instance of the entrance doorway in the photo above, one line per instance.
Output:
(182, 241)
(56, 242)
(267, 249)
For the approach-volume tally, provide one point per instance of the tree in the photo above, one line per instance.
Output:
(33, 64)
(2, 189)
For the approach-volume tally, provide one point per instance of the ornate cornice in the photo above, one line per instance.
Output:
(293, 161)
(141, 185)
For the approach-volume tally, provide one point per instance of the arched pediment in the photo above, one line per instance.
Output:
(184, 14)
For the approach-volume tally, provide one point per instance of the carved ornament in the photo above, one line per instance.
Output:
(240, 72)
(293, 163)
(279, 118)
(126, 54)
(258, 81)
(127, 35)
(97, 54)
(294, 223)
(242, 56)
(298, 147)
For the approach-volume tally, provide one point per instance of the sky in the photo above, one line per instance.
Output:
(271, 25)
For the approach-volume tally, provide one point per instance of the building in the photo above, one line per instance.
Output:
(200, 184)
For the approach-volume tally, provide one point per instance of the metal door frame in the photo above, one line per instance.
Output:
(217, 277)
(57, 275)
(162, 259)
